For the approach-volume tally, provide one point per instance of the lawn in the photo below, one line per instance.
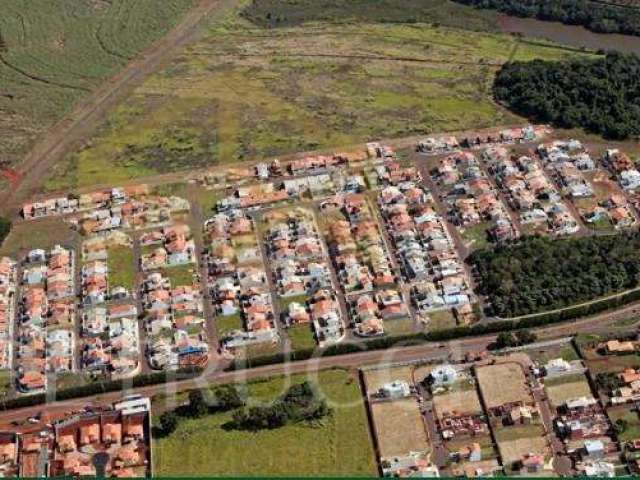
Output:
(476, 236)
(508, 434)
(301, 337)
(122, 268)
(240, 92)
(400, 326)
(55, 53)
(5, 383)
(613, 363)
(228, 323)
(558, 394)
(339, 446)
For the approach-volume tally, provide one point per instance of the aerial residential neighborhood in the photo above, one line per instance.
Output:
(320, 238)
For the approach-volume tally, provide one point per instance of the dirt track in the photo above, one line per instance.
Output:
(86, 116)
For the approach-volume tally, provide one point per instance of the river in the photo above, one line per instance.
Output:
(571, 35)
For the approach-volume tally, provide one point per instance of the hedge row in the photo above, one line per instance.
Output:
(102, 387)
(443, 335)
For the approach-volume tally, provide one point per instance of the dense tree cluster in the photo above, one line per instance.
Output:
(596, 16)
(511, 339)
(601, 95)
(300, 403)
(540, 274)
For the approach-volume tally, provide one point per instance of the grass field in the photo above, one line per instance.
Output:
(228, 323)
(122, 268)
(54, 53)
(242, 92)
(44, 233)
(558, 394)
(340, 446)
(301, 337)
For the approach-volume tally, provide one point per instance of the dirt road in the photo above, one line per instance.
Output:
(90, 111)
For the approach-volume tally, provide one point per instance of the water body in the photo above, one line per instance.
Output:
(572, 35)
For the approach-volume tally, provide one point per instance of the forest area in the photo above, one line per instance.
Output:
(540, 274)
(602, 95)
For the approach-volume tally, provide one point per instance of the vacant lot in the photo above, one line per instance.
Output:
(459, 402)
(560, 393)
(54, 53)
(502, 383)
(339, 446)
(626, 421)
(399, 428)
(514, 450)
(242, 92)
(375, 379)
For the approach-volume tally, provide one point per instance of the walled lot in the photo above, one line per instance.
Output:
(513, 450)
(338, 446)
(559, 393)
(399, 427)
(502, 383)
(464, 401)
(253, 92)
(57, 52)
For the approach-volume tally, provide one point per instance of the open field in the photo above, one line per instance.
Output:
(54, 53)
(399, 428)
(339, 446)
(560, 393)
(629, 420)
(502, 383)
(240, 93)
(44, 233)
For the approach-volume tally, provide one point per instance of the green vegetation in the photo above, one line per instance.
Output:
(5, 383)
(243, 93)
(599, 95)
(180, 275)
(511, 339)
(540, 274)
(276, 13)
(339, 445)
(228, 323)
(300, 403)
(122, 268)
(598, 16)
(44, 233)
(54, 53)
(301, 337)
(508, 434)
(626, 423)
(5, 228)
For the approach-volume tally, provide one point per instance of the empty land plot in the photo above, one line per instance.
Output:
(513, 450)
(503, 383)
(375, 379)
(627, 423)
(399, 428)
(54, 53)
(457, 402)
(560, 393)
(241, 92)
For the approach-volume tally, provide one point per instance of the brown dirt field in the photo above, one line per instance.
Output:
(399, 428)
(503, 383)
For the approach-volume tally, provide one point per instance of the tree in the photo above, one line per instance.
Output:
(168, 422)
(197, 404)
(504, 340)
(524, 337)
(5, 228)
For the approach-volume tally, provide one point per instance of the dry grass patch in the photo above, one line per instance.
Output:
(513, 450)
(460, 402)
(503, 383)
(558, 394)
(399, 428)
